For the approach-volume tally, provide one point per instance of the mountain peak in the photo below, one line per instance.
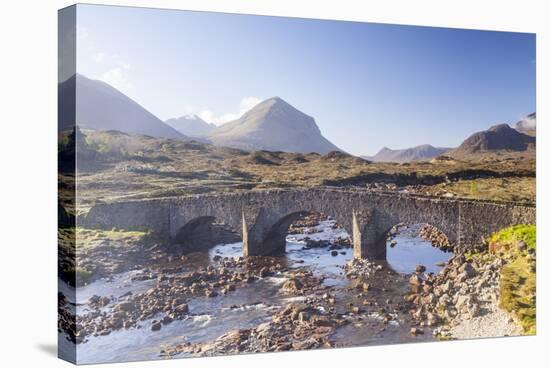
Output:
(191, 125)
(275, 99)
(272, 104)
(418, 153)
(117, 112)
(424, 146)
(500, 128)
(192, 117)
(499, 137)
(274, 125)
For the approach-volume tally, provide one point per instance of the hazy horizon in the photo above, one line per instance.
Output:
(367, 85)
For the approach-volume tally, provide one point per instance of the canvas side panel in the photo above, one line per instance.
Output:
(67, 267)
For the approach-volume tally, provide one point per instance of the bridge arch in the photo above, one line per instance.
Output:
(203, 232)
(372, 223)
(273, 242)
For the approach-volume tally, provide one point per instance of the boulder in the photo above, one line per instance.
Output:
(292, 286)
(415, 280)
(182, 308)
(468, 269)
(125, 306)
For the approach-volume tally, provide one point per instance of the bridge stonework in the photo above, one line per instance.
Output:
(263, 217)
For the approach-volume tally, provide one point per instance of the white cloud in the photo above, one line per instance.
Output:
(116, 73)
(246, 104)
(116, 77)
(207, 116)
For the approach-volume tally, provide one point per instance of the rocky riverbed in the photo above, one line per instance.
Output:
(315, 296)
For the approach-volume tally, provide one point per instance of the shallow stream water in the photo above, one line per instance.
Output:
(254, 304)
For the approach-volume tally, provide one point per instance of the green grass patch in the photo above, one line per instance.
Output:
(473, 189)
(513, 234)
(86, 238)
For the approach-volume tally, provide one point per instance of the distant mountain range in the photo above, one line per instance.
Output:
(418, 153)
(191, 126)
(497, 140)
(273, 125)
(102, 107)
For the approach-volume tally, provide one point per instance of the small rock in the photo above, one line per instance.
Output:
(420, 268)
(264, 272)
(521, 245)
(211, 293)
(156, 326)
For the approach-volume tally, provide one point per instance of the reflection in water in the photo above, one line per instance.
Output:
(410, 250)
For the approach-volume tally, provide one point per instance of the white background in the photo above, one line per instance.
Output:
(28, 134)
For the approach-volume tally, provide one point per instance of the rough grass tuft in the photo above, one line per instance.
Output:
(518, 276)
(517, 293)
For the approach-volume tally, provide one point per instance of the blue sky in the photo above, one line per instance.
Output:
(367, 85)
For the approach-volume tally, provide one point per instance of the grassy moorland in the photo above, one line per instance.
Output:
(118, 166)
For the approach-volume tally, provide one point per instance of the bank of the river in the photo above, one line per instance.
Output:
(488, 293)
(107, 253)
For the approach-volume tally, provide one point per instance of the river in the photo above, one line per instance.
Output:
(211, 317)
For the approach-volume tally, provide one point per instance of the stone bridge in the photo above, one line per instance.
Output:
(263, 217)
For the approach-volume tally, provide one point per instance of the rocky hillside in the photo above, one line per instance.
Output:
(498, 139)
(191, 126)
(418, 153)
(100, 106)
(273, 125)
